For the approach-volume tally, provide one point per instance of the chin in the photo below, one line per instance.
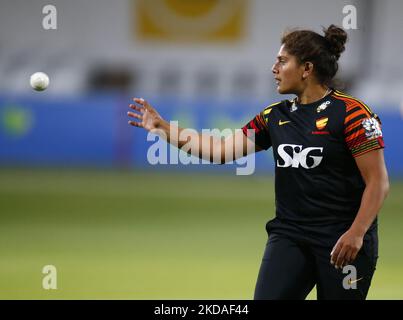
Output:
(282, 90)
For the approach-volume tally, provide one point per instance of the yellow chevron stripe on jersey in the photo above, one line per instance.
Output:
(271, 106)
(341, 94)
(267, 111)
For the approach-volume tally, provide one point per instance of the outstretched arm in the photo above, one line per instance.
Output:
(207, 147)
(373, 170)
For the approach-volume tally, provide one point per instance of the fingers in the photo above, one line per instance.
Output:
(354, 255)
(135, 124)
(142, 107)
(341, 257)
(139, 100)
(134, 107)
(347, 257)
(143, 102)
(335, 253)
(134, 115)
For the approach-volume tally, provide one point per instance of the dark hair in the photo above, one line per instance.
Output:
(322, 51)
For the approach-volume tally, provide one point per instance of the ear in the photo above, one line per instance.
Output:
(308, 70)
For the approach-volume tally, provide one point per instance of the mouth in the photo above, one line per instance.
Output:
(277, 81)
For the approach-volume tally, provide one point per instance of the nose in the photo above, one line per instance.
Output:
(274, 68)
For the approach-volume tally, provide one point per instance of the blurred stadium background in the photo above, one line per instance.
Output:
(76, 190)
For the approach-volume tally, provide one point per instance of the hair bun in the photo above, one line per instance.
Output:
(336, 38)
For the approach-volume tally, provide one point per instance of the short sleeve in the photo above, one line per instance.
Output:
(362, 130)
(258, 126)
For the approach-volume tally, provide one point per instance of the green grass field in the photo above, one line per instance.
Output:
(128, 235)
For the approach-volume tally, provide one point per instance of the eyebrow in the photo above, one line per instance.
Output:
(281, 57)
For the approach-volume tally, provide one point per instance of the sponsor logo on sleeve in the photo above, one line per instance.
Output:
(372, 128)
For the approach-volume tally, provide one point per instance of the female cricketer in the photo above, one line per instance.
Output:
(330, 175)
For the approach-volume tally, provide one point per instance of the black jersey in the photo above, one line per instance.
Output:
(317, 181)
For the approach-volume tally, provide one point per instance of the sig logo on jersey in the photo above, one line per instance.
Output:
(293, 155)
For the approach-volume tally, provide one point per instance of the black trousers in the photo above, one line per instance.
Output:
(291, 268)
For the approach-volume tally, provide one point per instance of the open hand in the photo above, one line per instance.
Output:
(148, 118)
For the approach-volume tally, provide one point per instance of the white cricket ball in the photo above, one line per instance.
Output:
(39, 81)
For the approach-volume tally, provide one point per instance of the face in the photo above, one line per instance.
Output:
(288, 73)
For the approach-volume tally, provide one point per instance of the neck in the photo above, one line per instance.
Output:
(312, 93)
